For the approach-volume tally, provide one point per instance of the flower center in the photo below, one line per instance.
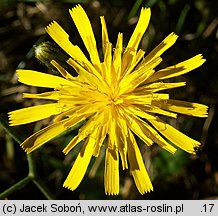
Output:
(115, 100)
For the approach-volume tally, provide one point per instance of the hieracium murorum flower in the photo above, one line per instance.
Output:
(118, 96)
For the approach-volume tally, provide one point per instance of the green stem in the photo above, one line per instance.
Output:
(135, 8)
(32, 171)
(15, 187)
(36, 181)
(182, 18)
(43, 189)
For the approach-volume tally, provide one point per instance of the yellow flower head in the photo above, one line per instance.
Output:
(118, 97)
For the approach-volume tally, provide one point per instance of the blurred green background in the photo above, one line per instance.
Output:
(179, 176)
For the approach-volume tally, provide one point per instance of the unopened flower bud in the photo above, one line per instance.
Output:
(45, 52)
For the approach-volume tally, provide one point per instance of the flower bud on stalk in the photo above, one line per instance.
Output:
(45, 52)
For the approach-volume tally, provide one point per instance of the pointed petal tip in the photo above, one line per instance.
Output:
(50, 25)
(69, 185)
(146, 190)
(64, 151)
(26, 149)
(173, 37)
(78, 6)
(174, 34)
(146, 10)
(12, 121)
(112, 193)
(201, 57)
(65, 185)
(19, 72)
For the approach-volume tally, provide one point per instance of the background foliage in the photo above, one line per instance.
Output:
(178, 176)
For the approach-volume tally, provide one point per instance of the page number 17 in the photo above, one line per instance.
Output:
(208, 207)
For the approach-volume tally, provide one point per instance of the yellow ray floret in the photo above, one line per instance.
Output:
(158, 86)
(84, 131)
(105, 39)
(137, 167)
(42, 136)
(162, 47)
(183, 107)
(53, 95)
(34, 78)
(111, 173)
(176, 137)
(84, 28)
(79, 167)
(62, 71)
(130, 56)
(140, 29)
(139, 130)
(62, 39)
(117, 59)
(32, 114)
(178, 69)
